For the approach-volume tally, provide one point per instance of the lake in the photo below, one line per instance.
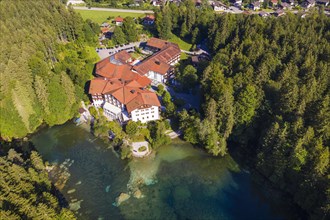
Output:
(178, 182)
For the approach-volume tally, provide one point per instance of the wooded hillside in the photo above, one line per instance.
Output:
(26, 192)
(266, 91)
(45, 62)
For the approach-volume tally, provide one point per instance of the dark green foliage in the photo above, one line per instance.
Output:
(167, 102)
(44, 65)
(102, 127)
(160, 89)
(131, 128)
(157, 133)
(184, 20)
(118, 36)
(130, 30)
(267, 90)
(188, 78)
(26, 192)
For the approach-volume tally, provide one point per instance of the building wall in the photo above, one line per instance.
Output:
(98, 100)
(145, 115)
(159, 78)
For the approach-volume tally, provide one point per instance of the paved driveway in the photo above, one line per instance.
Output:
(191, 100)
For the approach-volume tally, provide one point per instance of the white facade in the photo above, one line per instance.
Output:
(146, 114)
(111, 111)
(219, 8)
(75, 2)
(98, 100)
(155, 77)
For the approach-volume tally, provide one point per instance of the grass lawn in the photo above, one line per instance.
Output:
(101, 16)
(183, 56)
(182, 44)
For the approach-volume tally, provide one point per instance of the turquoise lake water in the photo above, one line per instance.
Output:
(179, 182)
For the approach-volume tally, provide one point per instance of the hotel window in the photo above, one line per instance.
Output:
(152, 112)
(137, 114)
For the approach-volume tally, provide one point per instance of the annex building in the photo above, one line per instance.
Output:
(120, 88)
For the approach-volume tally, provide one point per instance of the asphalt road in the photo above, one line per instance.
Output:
(114, 9)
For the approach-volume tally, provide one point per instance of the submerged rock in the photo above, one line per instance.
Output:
(78, 183)
(107, 189)
(138, 194)
(122, 198)
(75, 206)
(71, 191)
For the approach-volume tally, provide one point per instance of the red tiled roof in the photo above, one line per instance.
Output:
(118, 79)
(123, 56)
(144, 99)
(105, 30)
(159, 62)
(156, 42)
(97, 85)
(152, 65)
(119, 19)
(149, 18)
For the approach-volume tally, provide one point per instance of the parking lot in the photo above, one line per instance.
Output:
(103, 52)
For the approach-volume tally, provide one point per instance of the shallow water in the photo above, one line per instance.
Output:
(179, 182)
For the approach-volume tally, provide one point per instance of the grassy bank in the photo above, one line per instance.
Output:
(101, 16)
(182, 44)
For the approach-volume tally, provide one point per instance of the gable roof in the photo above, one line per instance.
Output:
(159, 62)
(97, 85)
(156, 42)
(123, 56)
(144, 99)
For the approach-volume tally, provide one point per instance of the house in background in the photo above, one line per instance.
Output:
(263, 14)
(308, 4)
(255, 6)
(279, 13)
(274, 3)
(75, 2)
(293, 3)
(238, 3)
(149, 20)
(119, 21)
(157, 3)
(218, 6)
(323, 2)
(285, 6)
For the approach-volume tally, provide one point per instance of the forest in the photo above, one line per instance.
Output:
(47, 55)
(266, 92)
(26, 192)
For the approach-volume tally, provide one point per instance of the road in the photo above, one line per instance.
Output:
(114, 10)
